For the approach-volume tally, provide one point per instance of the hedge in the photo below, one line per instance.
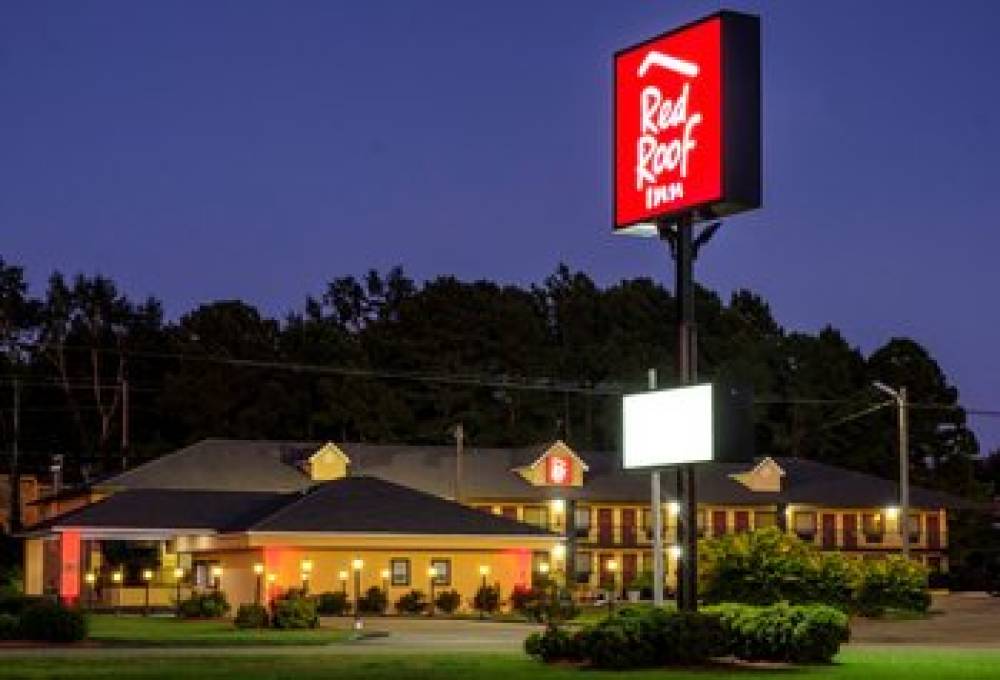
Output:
(659, 637)
(332, 604)
(50, 621)
(251, 616)
(769, 566)
(294, 609)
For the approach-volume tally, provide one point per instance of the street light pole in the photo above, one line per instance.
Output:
(903, 425)
(357, 565)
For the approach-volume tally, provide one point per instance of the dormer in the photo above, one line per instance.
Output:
(557, 466)
(765, 477)
(327, 463)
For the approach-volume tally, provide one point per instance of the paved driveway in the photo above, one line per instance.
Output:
(959, 620)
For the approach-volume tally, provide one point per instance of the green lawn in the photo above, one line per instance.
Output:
(909, 664)
(141, 631)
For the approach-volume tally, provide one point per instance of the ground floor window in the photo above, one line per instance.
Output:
(805, 525)
(400, 568)
(583, 567)
(442, 571)
(765, 519)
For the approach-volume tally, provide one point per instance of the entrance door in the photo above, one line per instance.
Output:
(605, 527)
(509, 511)
(741, 521)
(628, 527)
(718, 522)
(630, 568)
(850, 531)
(933, 532)
(829, 532)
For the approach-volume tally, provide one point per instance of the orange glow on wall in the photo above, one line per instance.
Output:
(69, 566)
(521, 557)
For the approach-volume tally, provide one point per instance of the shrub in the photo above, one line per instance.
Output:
(555, 644)
(294, 609)
(9, 627)
(207, 605)
(527, 602)
(783, 632)
(50, 621)
(650, 639)
(487, 599)
(251, 616)
(413, 602)
(332, 604)
(374, 601)
(15, 603)
(892, 583)
(448, 601)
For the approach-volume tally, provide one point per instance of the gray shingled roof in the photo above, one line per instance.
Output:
(372, 505)
(174, 509)
(352, 504)
(488, 475)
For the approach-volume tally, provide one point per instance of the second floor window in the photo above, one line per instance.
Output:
(537, 515)
(873, 527)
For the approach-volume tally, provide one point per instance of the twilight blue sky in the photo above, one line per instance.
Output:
(204, 150)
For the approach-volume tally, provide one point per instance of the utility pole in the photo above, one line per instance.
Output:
(125, 433)
(656, 507)
(459, 450)
(903, 426)
(15, 470)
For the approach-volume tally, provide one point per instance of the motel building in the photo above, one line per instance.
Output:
(257, 517)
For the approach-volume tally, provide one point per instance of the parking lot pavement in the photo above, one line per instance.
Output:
(956, 620)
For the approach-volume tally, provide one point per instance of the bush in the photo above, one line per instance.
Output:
(207, 605)
(294, 609)
(374, 601)
(448, 601)
(9, 626)
(413, 602)
(50, 621)
(251, 616)
(892, 583)
(487, 599)
(546, 601)
(332, 604)
(783, 632)
(527, 602)
(15, 603)
(768, 566)
(555, 644)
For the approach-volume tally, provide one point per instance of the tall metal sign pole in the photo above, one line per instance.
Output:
(687, 152)
(656, 510)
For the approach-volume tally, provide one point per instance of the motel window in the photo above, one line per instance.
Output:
(400, 571)
(537, 515)
(701, 524)
(582, 519)
(873, 526)
(583, 566)
(914, 527)
(805, 525)
(765, 519)
(443, 569)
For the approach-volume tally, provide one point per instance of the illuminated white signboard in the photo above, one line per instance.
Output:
(667, 427)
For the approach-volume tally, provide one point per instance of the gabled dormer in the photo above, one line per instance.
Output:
(558, 465)
(328, 462)
(765, 477)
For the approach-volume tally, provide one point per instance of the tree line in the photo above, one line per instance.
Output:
(385, 358)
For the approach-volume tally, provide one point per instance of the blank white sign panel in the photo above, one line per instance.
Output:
(667, 427)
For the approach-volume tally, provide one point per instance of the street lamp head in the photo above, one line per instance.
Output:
(343, 574)
(307, 565)
(147, 575)
(116, 577)
(358, 564)
(484, 570)
(258, 569)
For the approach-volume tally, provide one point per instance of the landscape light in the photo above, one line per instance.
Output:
(116, 577)
(147, 574)
(385, 573)
(258, 569)
(307, 565)
(484, 570)
(271, 578)
(90, 578)
(358, 564)
(343, 574)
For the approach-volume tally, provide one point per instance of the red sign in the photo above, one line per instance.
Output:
(558, 470)
(687, 123)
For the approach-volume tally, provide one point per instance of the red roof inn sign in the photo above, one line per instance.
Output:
(687, 124)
